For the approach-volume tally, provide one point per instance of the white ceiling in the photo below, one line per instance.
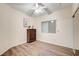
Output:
(28, 7)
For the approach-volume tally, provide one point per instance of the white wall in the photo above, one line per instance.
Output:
(12, 32)
(64, 28)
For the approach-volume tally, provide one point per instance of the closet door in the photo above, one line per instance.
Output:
(76, 30)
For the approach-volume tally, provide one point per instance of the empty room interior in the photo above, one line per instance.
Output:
(39, 29)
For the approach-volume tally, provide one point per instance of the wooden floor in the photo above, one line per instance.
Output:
(38, 48)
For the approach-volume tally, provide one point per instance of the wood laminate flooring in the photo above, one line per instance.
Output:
(38, 48)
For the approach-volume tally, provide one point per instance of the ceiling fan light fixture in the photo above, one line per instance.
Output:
(38, 11)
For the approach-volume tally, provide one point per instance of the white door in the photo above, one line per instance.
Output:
(76, 31)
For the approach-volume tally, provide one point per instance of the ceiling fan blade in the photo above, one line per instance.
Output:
(41, 4)
(47, 10)
(38, 6)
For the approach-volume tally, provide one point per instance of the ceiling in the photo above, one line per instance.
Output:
(39, 9)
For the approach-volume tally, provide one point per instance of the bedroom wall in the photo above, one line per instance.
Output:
(64, 28)
(12, 32)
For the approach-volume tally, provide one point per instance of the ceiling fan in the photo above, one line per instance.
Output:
(39, 8)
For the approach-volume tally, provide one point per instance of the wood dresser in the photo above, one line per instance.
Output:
(31, 35)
